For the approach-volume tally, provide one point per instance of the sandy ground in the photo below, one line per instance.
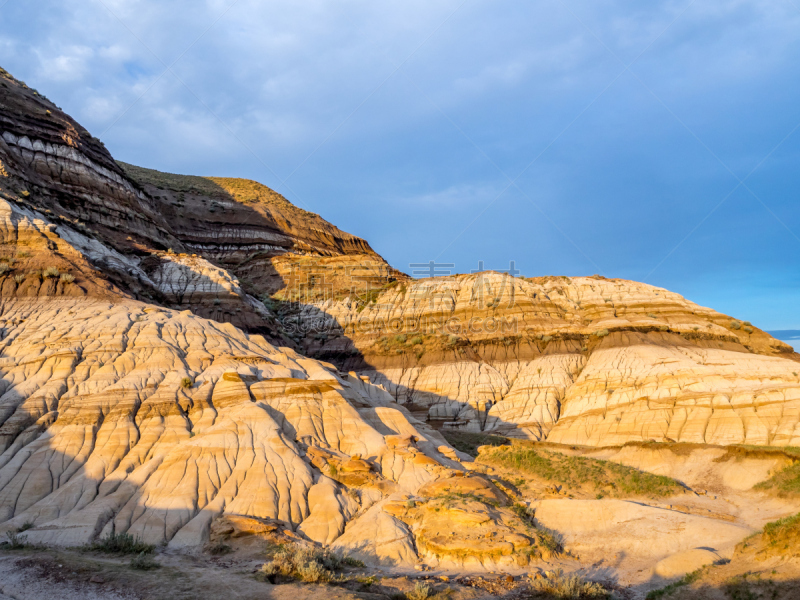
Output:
(621, 543)
(74, 575)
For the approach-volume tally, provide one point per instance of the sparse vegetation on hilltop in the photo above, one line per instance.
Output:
(241, 190)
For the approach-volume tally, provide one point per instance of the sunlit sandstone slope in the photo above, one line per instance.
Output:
(122, 417)
(582, 360)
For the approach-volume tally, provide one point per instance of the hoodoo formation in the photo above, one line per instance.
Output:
(195, 361)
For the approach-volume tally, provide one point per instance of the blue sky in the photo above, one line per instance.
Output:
(654, 141)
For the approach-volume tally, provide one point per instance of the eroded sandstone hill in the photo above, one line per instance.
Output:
(186, 242)
(578, 360)
(119, 416)
(583, 360)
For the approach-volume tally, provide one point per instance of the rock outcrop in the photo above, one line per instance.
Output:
(576, 360)
(128, 418)
(129, 222)
(583, 360)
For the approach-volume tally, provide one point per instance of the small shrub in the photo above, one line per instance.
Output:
(67, 278)
(19, 278)
(400, 338)
(421, 591)
(748, 329)
(652, 315)
(51, 272)
(601, 333)
(4, 268)
(416, 340)
(735, 325)
(367, 581)
(15, 541)
(569, 586)
(23, 254)
(25, 526)
(144, 562)
(349, 561)
(186, 382)
(524, 513)
(311, 565)
(121, 543)
(219, 549)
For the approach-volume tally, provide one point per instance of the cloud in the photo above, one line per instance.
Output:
(455, 196)
(259, 89)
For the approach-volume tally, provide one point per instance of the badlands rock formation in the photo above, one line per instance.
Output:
(151, 384)
(156, 237)
(124, 417)
(575, 360)
(583, 360)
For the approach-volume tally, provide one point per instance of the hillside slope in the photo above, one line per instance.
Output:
(583, 360)
(138, 395)
(179, 241)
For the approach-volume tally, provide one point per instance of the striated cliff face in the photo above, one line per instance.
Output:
(205, 244)
(581, 360)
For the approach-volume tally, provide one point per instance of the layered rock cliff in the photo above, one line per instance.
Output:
(582, 360)
(129, 418)
(205, 244)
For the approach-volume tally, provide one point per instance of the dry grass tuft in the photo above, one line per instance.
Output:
(569, 586)
(310, 565)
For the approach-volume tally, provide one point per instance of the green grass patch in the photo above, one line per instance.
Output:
(577, 472)
(783, 533)
(785, 483)
(121, 543)
(666, 591)
(468, 442)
